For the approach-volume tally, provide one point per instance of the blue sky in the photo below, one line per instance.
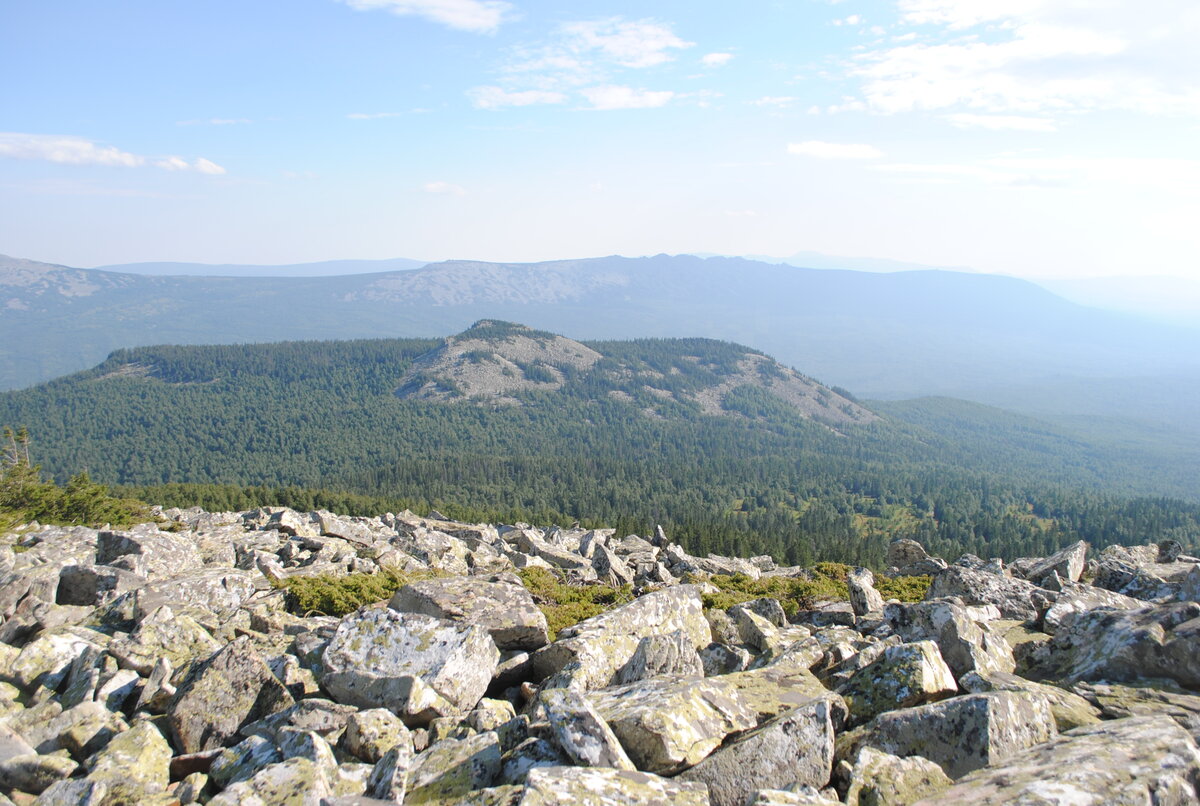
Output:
(1029, 137)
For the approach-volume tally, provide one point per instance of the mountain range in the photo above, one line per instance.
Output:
(885, 335)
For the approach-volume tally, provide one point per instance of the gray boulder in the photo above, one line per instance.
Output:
(1077, 597)
(507, 611)
(1136, 760)
(417, 666)
(907, 557)
(152, 554)
(580, 730)
(966, 644)
(863, 596)
(1067, 563)
(1070, 710)
(795, 748)
(881, 779)
(661, 654)
(961, 734)
(598, 786)
(902, 677)
(1014, 598)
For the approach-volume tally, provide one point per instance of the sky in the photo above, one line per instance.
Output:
(1027, 137)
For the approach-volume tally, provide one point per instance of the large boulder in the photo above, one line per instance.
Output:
(163, 634)
(795, 748)
(965, 642)
(668, 724)
(903, 676)
(417, 666)
(231, 689)
(153, 554)
(453, 767)
(961, 734)
(219, 590)
(47, 659)
(864, 598)
(906, 557)
(506, 610)
(134, 765)
(1077, 597)
(598, 786)
(1070, 710)
(1067, 563)
(590, 654)
(881, 779)
(1135, 760)
(1014, 598)
(1125, 645)
(581, 732)
(662, 654)
(1116, 702)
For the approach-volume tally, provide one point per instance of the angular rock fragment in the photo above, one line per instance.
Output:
(372, 733)
(452, 768)
(232, 688)
(864, 598)
(1134, 760)
(1070, 710)
(134, 765)
(903, 676)
(506, 611)
(960, 735)
(965, 643)
(598, 786)
(414, 665)
(581, 732)
(661, 655)
(295, 782)
(794, 748)
(879, 778)
(1014, 598)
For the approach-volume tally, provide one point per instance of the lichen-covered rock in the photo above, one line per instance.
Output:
(864, 598)
(219, 590)
(966, 644)
(1135, 760)
(506, 610)
(490, 714)
(230, 689)
(1144, 699)
(1067, 563)
(371, 733)
(1070, 710)
(961, 734)
(452, 768)
(46, 659)
(881, 779)
(158, 554)
(134, 765)
(903, 676)
(243, 761)
(668, 724)
(34, 773)
(69, 792)
(655, 655)
(589, 654)
(599, 786)
(1125, 645)
(1078, 598)
(794, 748)
(95, 584)
(532, 752)
(82, 730)
(295, 782)
(326, 717)
(377, 656)
(163, 634)
(906, 557)
(1015, 598)
(580, 730)
(389, 777)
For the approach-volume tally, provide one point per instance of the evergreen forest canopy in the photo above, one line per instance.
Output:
(319, 425)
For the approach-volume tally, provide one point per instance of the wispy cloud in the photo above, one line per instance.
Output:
(716, 59)
(586, 60)
(617, 97)
(444, 188)
(493, 97)
(476, 16)
(1035, 58)
(834, 151)
(70, 150)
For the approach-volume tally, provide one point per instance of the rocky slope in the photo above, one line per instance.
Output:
(493, 362)
(163, 666)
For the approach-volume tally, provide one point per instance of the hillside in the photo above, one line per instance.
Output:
(674, 431)
(884, 335)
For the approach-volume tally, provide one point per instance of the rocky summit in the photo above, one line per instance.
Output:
(177, 662)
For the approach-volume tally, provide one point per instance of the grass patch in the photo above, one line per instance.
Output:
(339, 594)
(794, 593)
(566, 605)
(906, 589)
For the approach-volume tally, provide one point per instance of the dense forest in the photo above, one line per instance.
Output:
(319, 424)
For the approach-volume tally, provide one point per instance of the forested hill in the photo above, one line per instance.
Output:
(704, 437)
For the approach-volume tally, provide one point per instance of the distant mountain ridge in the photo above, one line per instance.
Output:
(324, 268)
(889, 335)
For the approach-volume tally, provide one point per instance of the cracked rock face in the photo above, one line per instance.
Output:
(506, 611)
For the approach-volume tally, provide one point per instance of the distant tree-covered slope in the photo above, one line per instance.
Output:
(632, 440)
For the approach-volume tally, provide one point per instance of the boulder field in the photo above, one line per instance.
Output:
(167, 664)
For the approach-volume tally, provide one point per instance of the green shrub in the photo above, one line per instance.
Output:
(906, 589)
(794, 593)
(339, 594)
(566, 605)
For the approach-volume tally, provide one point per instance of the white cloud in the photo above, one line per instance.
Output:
(70, 150)
(477, 16)
(965, 120)
(445, 188)
(492, 97)
(716, 59)
(853, 19)
(615, 97)
(640, 43)
(834, 151)
(373, 115)
(1038, 57)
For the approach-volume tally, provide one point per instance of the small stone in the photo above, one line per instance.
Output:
(881, 779)
(372, 733)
